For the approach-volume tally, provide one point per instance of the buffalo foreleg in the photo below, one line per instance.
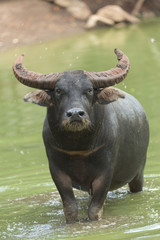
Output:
(100, 187)
(64, 186)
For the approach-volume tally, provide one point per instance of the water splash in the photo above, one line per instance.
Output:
(22, 152)
(152, 40)
(145, 228)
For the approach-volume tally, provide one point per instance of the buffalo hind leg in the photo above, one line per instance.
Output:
(136, 185)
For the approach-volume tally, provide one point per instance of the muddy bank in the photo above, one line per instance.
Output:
(25, 22)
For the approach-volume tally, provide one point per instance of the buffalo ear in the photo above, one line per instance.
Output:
(108, 95)
(40, 97)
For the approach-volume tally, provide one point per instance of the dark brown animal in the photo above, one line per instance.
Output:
(96, 136)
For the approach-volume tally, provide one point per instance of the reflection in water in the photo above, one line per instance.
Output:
(30, 205)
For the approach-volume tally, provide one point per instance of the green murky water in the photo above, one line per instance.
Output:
(30, 207)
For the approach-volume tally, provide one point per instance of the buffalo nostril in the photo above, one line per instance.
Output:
(75, 113)
(81, 113)
(69, 114)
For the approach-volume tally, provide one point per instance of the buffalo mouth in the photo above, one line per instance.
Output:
(76, 125)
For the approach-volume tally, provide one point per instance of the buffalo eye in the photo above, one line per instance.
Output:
(58, 91)
(90, 91)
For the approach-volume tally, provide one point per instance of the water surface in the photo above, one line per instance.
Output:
(30, 207)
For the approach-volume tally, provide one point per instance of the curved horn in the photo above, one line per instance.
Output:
(32, 79)
(112, 76)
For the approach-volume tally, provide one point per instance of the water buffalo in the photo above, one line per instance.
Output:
(96, 136)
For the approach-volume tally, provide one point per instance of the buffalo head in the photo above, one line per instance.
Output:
(72, 94)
